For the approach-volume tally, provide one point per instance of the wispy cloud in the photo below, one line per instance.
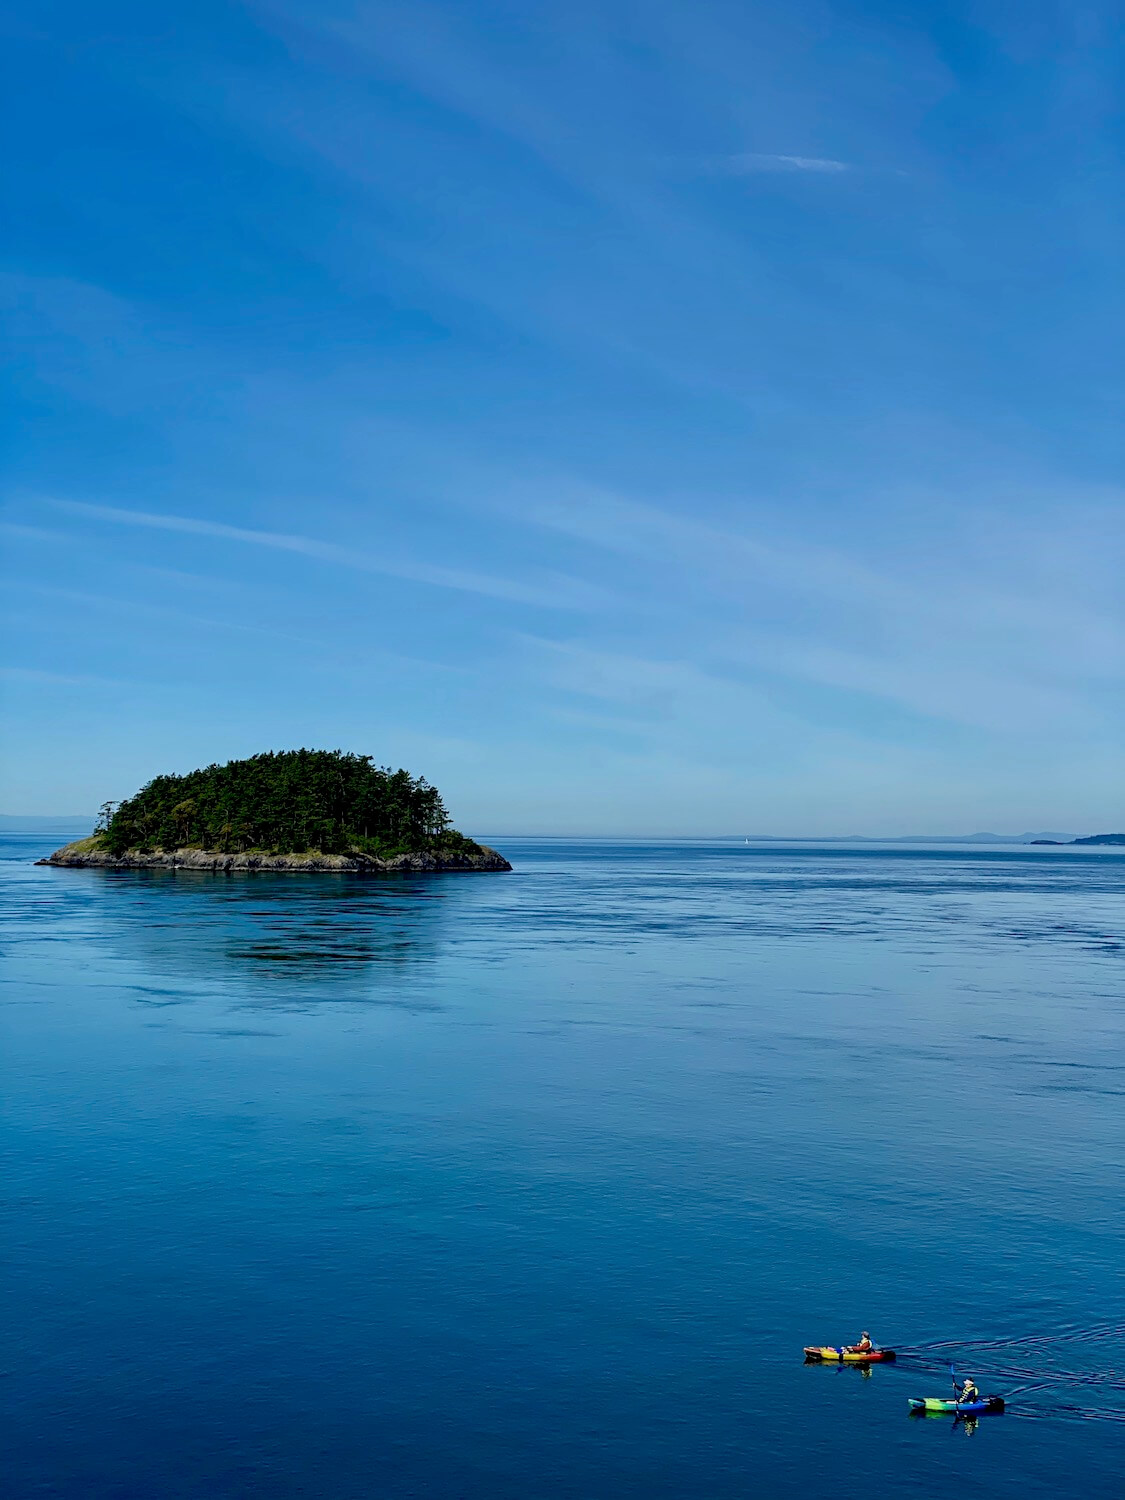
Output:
(20, 533)
(745, 162)
(133, 608)
(130, 607)
(57, 679)
(551, 592)
(996, 643)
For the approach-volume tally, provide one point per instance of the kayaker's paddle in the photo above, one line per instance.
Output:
(953, 1377)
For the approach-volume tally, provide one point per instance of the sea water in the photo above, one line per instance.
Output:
(536, 1185)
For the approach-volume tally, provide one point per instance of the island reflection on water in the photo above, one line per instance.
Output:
(289, 938)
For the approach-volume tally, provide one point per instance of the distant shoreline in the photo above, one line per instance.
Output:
(976, 841)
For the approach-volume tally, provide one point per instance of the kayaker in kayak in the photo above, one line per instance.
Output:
(968, 1392)
(865, 1346)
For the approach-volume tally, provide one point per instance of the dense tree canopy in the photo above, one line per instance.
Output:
(285, 802)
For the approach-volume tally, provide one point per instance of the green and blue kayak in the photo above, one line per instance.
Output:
(958, 1408)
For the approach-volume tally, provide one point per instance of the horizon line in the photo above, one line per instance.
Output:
(753, 838)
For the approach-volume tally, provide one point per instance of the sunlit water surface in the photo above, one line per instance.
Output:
(535, 1185)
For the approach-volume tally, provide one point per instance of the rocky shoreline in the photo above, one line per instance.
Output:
(80, 856)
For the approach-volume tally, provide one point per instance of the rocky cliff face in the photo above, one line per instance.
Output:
(82, 856)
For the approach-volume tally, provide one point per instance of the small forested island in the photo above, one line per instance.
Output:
(287, 810)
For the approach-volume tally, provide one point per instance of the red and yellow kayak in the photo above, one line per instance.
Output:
(849, 1356)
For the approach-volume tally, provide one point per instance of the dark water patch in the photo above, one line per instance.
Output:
(326, 953)
(232, 1031)
(1080, 1088)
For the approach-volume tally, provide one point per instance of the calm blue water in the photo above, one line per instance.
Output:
(536, 1185)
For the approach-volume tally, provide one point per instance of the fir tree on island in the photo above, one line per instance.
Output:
(293, 809)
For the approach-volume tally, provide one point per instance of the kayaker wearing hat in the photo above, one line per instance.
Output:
(864, 1346)
(968, 1393)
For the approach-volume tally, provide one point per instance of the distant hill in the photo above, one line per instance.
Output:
(1097, 838)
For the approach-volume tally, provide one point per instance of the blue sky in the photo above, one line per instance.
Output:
(636, 417)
